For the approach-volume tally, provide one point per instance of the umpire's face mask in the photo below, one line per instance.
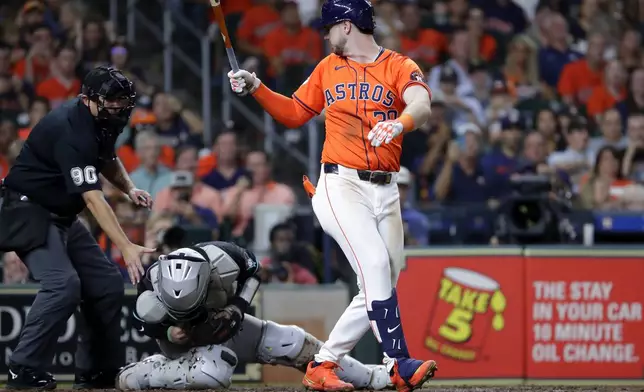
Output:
(113, 115)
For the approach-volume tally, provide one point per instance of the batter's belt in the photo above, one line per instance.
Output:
(374, 177)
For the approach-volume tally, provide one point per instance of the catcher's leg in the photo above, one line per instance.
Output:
(288, 345)
(208, 367)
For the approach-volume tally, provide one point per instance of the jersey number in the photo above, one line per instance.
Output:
(86, 175)
(384, 116)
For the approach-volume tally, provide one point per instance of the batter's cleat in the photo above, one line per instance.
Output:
(23, 377)
(95, 379)
(409, 374)
(322, 377)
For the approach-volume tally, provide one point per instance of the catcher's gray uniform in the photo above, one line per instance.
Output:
(211, 364)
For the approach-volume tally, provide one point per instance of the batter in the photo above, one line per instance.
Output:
(371, 96)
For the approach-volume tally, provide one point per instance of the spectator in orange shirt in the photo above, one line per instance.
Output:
(35, 67)
(609, 93)
(235, 7)
(255, 25)
(37, 110)
(241, 199)
(424, 46)
(579, 78)
(482, 45)
(291, 44)
(63, 84)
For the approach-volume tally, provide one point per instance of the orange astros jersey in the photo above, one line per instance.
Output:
(356, 97)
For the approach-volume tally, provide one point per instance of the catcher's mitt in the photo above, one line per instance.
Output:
(218, 327)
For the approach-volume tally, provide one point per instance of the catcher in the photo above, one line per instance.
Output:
(194, 302)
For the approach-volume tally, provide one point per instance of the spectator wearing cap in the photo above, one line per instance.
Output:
(31, 15)
(291, 48)
(424, 46)
(461, 179)
(200, 196)
(63, 84)
(520, 68)
(256, 23)
(35, 67)
(609, 93)
(500, 104)
(612, 135)
(554, 56)
(228, 171)
(459, 61)
(463, 109)
(579, 78)
(483, 46)
(151, 175)
(415, 223)
(481, 82)
(576, 159)
(38, 108)
(503, 160)
(241, 199)
(503, 16)
(634, 102)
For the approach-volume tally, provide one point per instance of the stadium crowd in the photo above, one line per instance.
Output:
(554, 87)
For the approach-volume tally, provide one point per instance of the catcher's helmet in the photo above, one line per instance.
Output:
(107, 84)
(358, 12)
(183, 279)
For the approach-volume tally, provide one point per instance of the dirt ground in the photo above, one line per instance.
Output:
(429, 388)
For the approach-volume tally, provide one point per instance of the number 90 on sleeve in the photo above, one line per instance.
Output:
(86, 175)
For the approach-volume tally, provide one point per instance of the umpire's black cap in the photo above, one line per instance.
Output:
(109, 83)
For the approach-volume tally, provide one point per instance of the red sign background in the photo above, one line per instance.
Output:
(625, 275)
(498, 353)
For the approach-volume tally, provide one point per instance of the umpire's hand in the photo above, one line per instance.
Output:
(132, 257)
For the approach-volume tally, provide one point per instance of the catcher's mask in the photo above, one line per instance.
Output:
(183, 279)
(115, 98)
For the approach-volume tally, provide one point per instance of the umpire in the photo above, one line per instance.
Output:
(53, 179)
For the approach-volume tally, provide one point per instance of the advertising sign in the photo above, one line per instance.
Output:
(584, 317)
(15, 304)
(466, 313)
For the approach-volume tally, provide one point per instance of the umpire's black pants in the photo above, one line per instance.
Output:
(73, 270)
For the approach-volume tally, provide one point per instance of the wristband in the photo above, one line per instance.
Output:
(407, 122)
(169, 335)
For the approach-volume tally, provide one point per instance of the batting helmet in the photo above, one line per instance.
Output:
(358, 12)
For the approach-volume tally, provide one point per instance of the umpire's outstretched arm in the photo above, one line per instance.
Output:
(96, 203)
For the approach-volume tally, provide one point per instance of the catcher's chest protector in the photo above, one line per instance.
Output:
(223, 277)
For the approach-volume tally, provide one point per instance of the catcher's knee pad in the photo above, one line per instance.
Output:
(213, 368)
(286, 345)
(136, 375)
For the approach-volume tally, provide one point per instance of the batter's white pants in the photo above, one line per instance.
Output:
(365, 220)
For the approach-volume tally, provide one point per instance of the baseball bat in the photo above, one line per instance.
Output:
(221, 22)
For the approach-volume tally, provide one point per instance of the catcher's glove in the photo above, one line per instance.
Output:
(219, 326)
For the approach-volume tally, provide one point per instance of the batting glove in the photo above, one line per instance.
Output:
(243, 82)
(385, 132)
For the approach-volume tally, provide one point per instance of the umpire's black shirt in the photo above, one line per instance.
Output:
(60, 160)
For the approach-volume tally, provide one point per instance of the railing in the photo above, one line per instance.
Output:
(203, 70)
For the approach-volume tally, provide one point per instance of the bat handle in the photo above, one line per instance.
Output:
(232, 59)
